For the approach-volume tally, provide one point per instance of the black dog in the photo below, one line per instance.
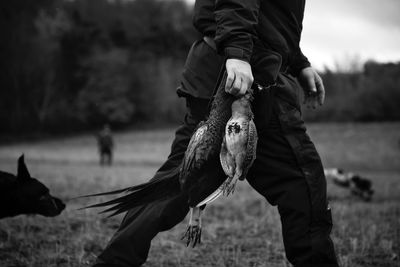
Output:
(359, 186)
(23, 194)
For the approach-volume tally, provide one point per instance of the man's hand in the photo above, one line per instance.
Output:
(314, 91)
(240, 78)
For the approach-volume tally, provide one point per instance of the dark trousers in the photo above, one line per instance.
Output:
(287, 172)
(105, 157)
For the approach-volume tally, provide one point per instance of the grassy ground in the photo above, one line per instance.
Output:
(240, 231)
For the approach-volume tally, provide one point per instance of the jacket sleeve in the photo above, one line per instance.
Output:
(299, 62)
(236, 27)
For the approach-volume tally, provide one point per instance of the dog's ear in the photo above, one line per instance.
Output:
(23, 172)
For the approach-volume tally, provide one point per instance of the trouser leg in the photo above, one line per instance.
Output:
(288, 172)
(309, 162)
(101, 158)
(131, 243)
(110, 158)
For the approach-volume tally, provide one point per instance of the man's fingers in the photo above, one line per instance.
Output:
(314, 91)
(307, 81)
(243, 88)
(314, 103)
(229, 81)
(239, 78)
(237, 85)
(249, 83)
(321, 90)
(310, 100)
(311, 86)
(246, 85)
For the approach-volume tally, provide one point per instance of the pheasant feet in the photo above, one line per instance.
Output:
(192, 235)
(193, 232)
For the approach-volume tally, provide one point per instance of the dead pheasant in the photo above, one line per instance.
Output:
(236, 154)
(200, 176)
(238, 150)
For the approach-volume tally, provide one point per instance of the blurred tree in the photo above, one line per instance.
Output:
(17, 59)
(381, 95)
(106, 96)
(46, 44)
(370, 94)
(67, 65)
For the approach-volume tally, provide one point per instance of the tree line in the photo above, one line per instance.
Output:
(67, 65)
(369, 94)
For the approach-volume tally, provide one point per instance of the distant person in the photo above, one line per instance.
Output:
(106, 145)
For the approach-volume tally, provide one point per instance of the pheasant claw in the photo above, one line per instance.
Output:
(192, 235)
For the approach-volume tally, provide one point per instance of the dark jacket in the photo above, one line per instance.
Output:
(242, 27)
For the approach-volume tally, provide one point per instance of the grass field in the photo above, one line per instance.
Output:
(242, 230)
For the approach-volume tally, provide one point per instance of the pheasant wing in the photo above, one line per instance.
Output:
(251, 150)
(196, 156)
(227, 161)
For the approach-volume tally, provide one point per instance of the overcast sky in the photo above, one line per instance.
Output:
(339, 30)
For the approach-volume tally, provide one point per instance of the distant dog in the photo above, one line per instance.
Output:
(23, 194)
(359, 186)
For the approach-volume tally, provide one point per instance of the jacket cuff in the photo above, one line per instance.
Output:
(300, 63)
(237, 53)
